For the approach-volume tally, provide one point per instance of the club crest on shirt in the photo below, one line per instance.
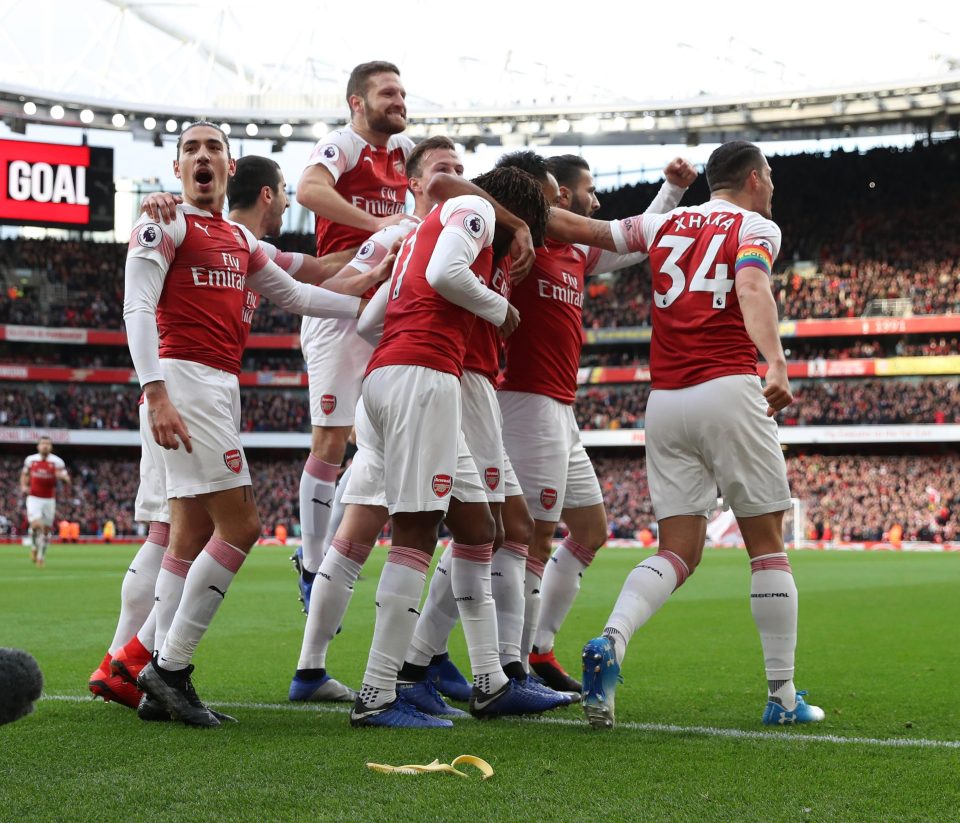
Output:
(150, 235)
(400, 167)
(328, 402)
(548, 498)
(442, 483)
(491, 476)
(475, 224)
(233, 460)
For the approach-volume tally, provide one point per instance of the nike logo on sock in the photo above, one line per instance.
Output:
(322, 502)
(214, 588)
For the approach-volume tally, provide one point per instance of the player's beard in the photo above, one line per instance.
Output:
(381, 122)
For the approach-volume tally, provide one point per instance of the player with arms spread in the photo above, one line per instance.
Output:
(190, 295)
(709, 420)
(38, 483)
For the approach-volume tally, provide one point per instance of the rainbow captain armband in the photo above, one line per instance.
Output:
(754, 255)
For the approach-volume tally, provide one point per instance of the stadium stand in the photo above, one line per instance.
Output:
(867, 285)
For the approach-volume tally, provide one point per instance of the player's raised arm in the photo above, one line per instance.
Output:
(443, 186)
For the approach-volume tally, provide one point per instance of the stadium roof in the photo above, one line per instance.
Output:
(289, 61)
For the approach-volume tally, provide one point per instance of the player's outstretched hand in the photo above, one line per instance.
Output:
(777, 391)
(161, 206)
(680, 172)
(510, 323)
(522, 254)
(167, 425)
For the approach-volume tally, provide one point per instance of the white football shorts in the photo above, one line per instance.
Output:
(543, 442)
(483, 429)
(42, 509)
(714, 435)
(208, 400)
(336, 360)
(151, 503)
(411, 440)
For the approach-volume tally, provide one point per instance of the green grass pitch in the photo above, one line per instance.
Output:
(878, 650)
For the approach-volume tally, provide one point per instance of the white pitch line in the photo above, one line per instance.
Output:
(665, 728)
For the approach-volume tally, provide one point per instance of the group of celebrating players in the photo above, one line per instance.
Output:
(407, 319)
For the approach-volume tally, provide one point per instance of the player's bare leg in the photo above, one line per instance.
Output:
(587, 527)
(773, 603)
(331, 594)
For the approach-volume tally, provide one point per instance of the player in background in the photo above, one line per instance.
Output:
(431, 158)
(411, 397)
(187, 306)
(355, 183)
(38, 483)
(709, 419)
(536, 393)
(257, 196)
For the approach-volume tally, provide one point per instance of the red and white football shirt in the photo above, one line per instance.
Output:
(372, 178)
(543, 354)
(43, 474)
(205, 308)
(485, 343)
(698, 328)
(420, 327)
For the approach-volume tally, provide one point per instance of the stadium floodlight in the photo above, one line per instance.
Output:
(529, 127)
(86, 116)
(30, 108)
(118, 120)
(225, 128)
(149, 123)
(588, 125)
(648, 121)
(286, 130)
(252, 129)
(561, 126)
(185, 125)
(56, 112)
(320, 130)
(171, 125)
(619, 123)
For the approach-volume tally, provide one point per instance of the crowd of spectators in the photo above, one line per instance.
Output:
(817, 403)
(844, 497)
(620, 407)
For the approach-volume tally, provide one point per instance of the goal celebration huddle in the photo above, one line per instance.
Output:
(446, 339)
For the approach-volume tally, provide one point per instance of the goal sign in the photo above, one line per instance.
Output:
(57, 186)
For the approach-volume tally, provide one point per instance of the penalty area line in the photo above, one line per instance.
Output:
(662, 728)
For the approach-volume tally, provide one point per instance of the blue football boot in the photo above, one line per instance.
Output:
(424, 697)
(448, 680)
(397, 714)
(776, 715)
(513, 699)
(304, 578)
(601, 674)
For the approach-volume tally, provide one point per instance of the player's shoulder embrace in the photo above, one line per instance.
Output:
(400, 141)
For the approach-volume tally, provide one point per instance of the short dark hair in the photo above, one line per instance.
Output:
(253, 173)
(360, 76)
(529, 161)
(439, 141)
(223, 134)
(566, 168)
(730, 164)
(521, 193)
(45, 437)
